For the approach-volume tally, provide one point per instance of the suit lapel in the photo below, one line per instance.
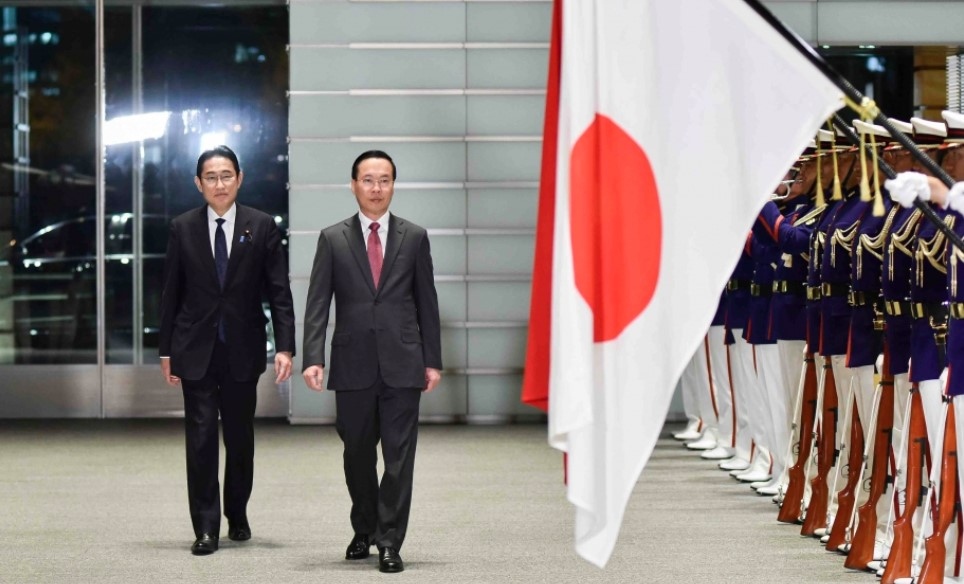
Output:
(396, 234)
(202, 241)
(357, 246)
(242, 227)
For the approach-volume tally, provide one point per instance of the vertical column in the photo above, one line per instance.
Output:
(930, 82)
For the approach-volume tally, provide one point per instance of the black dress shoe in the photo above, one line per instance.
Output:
(358, 548)
(389, 561)
(239, 530)
(205, 545)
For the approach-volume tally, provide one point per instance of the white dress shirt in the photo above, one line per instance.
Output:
(228, 227)
(382, 228)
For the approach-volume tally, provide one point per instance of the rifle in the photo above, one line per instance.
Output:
(862, 541)
(846, 497)
(902, 547)
(792, 506)
(932, 569)
(817, 510)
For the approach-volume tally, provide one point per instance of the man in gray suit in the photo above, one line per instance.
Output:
(386, 350)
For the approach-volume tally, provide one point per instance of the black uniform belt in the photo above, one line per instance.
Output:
(860, 298)
(735, 285)
(830, 289)
(758, 290)
(897, 307)
(788, 287)
(813, 293)
(956, 309)
(928, 309)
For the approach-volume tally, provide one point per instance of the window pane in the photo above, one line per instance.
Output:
(47, 197)
(222, 73)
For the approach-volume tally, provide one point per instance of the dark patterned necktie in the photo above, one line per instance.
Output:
(375, 252)
(220, 252)
(221, 264)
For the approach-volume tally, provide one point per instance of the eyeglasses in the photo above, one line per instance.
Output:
(369, 183)
(226, 179)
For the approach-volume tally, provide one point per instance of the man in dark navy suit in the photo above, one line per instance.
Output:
(385, 351)
(222, 259)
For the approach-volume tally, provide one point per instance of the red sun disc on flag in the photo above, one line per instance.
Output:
(616, 226)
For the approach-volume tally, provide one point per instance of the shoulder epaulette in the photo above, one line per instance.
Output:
(809, 217)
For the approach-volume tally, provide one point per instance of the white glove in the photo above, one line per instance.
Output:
(908, 186)
(955, 198)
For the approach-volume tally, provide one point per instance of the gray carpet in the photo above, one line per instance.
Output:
(105, 501)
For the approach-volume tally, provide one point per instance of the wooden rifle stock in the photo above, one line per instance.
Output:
(902, 547)
(792, 505)
(847, 497)
(819, 489)
(862, 542)
(932, 568)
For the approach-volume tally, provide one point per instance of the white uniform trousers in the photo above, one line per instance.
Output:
(720, 369)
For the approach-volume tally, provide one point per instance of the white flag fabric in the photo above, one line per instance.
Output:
(668, 124)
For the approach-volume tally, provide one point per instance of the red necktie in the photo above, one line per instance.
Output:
(375, 252)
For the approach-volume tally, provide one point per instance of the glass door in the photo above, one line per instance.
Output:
(177, 80)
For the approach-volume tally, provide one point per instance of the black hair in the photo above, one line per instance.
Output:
(222, 151)
(371, 154)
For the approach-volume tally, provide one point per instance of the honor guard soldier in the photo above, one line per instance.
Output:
(791, 231)
(896, 276)
(770, 400)
(817, 519)
(835, 265)
(863, 350)
(741, 364)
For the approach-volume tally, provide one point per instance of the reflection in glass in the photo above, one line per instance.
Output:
(47, 283)
(222, 74)
(210, 75)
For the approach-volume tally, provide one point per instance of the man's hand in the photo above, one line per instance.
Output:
(432, 377)
(166, 372)
(314, 375)
(282, 366)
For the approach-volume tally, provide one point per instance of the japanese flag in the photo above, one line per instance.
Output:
(668, 124)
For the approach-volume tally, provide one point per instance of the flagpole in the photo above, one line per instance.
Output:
(926, 209)
(849, 90)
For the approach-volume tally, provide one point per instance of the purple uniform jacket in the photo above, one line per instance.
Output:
(895, 278)
(835, 276)
(865, 342)
(720, 315)
(929, 287)
(788, 315)
(815, 307)
(764, 253)
(738, 292)
(955, 332)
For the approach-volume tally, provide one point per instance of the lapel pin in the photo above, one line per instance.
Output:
(246, 236)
